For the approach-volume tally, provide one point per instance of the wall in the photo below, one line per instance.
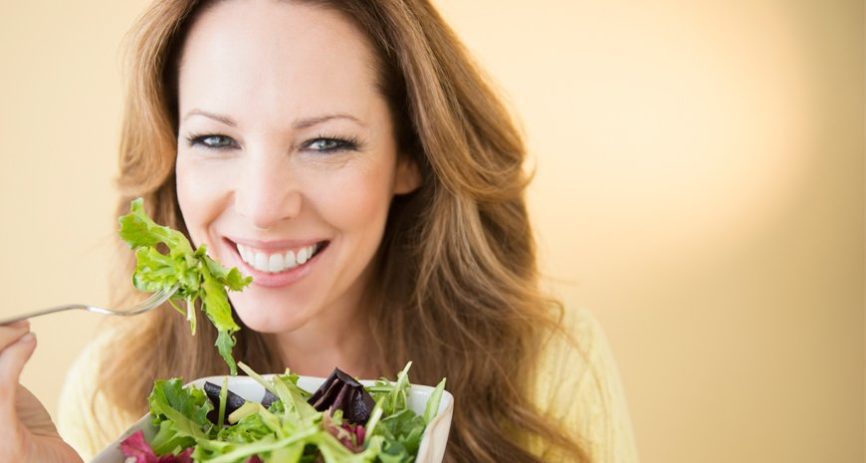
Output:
(699, 186)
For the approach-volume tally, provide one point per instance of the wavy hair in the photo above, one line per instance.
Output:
(457, 286)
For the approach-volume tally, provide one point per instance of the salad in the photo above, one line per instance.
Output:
(341, 421)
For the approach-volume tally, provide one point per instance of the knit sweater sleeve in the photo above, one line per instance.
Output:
(580, 387)
(85, 418)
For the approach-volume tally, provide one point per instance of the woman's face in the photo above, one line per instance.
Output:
(286, 162)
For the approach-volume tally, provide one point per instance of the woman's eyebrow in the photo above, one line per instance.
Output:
(217, 117)
(311, 121)
(298, 124)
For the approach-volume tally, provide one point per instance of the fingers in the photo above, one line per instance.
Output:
(11, 332)
(14, 355)
(24, 322)
(16, 347)
(17, 344)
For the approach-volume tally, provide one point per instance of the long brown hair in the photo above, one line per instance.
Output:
(457, 288)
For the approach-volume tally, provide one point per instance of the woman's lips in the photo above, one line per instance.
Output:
(278, 267)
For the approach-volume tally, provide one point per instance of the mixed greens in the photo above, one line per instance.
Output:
(341, 422)
(285, 427)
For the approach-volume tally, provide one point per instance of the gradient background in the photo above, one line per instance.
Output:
(700, 187)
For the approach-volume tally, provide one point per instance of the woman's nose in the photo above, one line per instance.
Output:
(267, 192)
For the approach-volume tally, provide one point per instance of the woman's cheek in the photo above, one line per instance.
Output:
(202, 190)
(201, 180)
(377, 178)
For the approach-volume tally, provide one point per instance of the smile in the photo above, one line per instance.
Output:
(272, 261)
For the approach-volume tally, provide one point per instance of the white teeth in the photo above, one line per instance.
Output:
(261, 262)
(289, 259)
(302, 255)
(274, 263)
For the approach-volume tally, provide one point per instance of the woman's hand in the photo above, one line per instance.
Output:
(26, 431)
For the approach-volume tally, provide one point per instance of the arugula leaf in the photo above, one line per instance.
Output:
(394, 396)
(432, 408)
(180, 415)
(397, 425)
(168, 440)
(224, 395)
(197, 276)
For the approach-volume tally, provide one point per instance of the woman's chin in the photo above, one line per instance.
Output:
(264, 321)
(266, 314)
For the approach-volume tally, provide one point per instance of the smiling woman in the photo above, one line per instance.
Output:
(350, 158)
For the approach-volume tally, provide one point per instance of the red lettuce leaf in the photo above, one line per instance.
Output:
(136, 447)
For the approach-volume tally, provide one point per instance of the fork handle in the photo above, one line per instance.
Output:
(37, 313)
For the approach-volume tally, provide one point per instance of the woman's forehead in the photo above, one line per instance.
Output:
(276, 58)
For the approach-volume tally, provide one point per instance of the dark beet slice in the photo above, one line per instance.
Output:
(233, 401)
(268, 399)
(341, 392)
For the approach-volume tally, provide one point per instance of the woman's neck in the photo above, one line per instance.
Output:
(339, 338)
(312, 351)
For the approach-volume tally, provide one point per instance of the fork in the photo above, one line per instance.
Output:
(150, 303)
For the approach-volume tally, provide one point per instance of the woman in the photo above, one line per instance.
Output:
(350, 157)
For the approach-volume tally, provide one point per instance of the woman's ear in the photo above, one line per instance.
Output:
(407, 178)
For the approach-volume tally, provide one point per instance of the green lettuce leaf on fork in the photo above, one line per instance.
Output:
(166, 259)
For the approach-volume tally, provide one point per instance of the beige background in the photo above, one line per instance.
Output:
(699, 185)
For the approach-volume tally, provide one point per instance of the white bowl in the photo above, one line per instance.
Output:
(433, 441)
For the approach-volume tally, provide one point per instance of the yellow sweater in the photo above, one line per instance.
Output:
(578, 384)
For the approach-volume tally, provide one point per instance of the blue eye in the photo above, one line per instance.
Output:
(212, 141)
(330, 145)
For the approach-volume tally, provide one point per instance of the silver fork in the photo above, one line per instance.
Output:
(150, 303)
